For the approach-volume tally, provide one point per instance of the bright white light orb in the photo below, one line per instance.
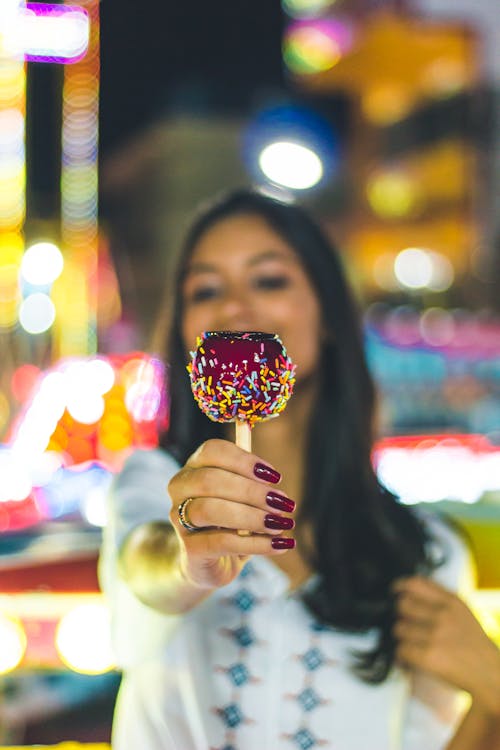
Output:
(37, 313)
(42, 264)
(413, 268)
(15, 484)
(101, 375)
(12, 643)
(94, 505)
(83, 639)
(442, 272)
(292, 165)
(86, 408)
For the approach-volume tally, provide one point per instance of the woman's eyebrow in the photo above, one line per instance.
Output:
(268, 255)
(202, 267)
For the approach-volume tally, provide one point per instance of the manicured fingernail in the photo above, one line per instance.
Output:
(280, 502)
(278, 522)
(282, 542)
(265, 472)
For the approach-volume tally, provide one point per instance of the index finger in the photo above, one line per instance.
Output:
(222, 454)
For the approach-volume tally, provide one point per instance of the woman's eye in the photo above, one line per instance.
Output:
(203, 293)
(271, 282)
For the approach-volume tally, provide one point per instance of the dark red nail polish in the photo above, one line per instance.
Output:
(263, 471)
(278, 522)
(280, 502)
(282, 542)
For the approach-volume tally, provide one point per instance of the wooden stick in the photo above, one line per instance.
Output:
(244, 441)
(243, 435)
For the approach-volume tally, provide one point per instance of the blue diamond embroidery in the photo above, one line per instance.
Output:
(308, 699)
(313, 659)
(231, 715)
(304, 739)
(239, 674)
(244, 600)
(248, 570)
(319, 627)
(244, 636)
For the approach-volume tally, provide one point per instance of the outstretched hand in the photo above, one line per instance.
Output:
(437, 632)
(229, 490)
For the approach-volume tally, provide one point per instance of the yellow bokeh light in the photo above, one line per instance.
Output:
(386, 104)
(393, 194)
(13, 642)
(8, 313)
(4, 409)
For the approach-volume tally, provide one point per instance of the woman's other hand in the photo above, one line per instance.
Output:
(437, 632)
(235, 505)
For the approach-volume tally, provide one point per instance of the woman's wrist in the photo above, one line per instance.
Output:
(487, 695)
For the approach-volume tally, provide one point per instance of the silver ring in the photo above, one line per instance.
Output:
(184, 518)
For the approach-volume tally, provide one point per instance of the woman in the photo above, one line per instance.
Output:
(330, 625)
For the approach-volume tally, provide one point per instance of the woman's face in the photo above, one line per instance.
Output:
(242, 276)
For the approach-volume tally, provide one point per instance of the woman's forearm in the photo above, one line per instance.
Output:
(150, 564)
(479, 730)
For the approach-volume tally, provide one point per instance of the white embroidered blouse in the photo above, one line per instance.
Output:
(250, 668)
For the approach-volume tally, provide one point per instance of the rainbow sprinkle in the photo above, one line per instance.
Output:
(253, 382)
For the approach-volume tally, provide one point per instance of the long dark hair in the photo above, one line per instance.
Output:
(363, 538)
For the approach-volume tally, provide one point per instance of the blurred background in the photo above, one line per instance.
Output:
(381, 116)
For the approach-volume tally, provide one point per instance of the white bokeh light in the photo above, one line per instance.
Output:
(292, 165)
(439, 472)
(15, 484)
(93, 504)
(84, 392)
(83, 639)
(442, 272)
(66, 34)
(101, 375)
(413, 268)
(37, 313)
(42, 264)
(86, 408)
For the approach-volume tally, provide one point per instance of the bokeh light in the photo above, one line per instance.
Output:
(11, 253)
(418, 268)
(438, 468)
(442, 272)
(383, 272)
(292, 146)
(53, 33)
(291, 164)
(437, 326)
(37, 313)
(386, 104)
(42, 263)
(76, 301)
(83, 639)
(4, 411)
(15, 484)
(13, 642)
(445, 76)
(393, 194)
(413, 268)
(315, 46)
(305, 8)
(23, 381)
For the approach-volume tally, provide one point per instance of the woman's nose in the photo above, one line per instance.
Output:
(236, 311)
